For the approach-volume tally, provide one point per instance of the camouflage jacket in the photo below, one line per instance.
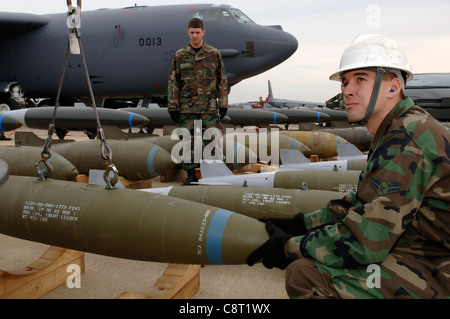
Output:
(402, 204)
(198, 81)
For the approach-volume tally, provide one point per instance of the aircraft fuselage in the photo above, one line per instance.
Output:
(129, 51)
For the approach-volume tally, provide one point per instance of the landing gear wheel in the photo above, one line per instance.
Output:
(4, 107)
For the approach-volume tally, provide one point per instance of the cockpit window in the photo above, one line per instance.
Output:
(207, 15)
(239, 16)
(222, 14)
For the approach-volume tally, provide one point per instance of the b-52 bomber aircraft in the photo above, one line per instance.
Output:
(431, 91)
(128, 51)
(282, 103)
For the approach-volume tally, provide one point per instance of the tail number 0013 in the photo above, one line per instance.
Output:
(147, 42)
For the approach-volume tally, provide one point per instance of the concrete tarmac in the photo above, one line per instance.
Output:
(107, 277)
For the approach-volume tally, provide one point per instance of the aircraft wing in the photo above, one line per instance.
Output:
(14, 24)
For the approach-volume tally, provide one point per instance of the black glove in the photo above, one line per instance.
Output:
(272, 252)
(223, 112)
(175, 116)
(292, 226)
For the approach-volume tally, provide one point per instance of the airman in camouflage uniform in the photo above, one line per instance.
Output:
(390, 239)
(198, 87)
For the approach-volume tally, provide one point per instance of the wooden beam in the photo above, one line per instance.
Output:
(42, 276)
(177, 282)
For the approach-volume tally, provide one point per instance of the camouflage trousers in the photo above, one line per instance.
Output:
(187, 120)
(400, 276)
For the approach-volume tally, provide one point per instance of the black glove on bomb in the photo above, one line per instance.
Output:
(292, 226)
(272, 252)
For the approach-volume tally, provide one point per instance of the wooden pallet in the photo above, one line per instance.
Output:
(177, 282)
(42, 276)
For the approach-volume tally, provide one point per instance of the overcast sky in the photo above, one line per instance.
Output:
(323, 28)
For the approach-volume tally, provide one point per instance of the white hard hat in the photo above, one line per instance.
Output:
(372, 51)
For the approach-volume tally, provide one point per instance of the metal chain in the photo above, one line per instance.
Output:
(106, 152)
(46, 154)
(45, 173)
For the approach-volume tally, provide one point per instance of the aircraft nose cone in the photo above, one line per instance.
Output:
(274, 44)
